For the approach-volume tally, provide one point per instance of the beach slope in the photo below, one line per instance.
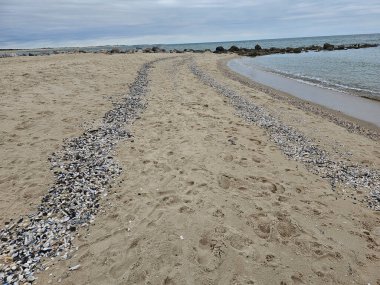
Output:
(206, 195)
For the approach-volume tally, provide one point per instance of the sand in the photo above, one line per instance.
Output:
(204, 197)
(43, 101)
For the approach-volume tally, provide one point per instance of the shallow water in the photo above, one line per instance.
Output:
(351, 71)
(357, 107)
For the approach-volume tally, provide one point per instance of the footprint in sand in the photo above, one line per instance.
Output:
(286, 229)
(224, 182)
(218, 213)
(261, 224)
(228, 158)
(239, 242)
(169, 281)
(266, 184)
(256, 159)
(170, 200)
(243, 162)
(185, 210)
(210, 253)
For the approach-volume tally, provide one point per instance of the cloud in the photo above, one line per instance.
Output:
(207, 3)
(37, 23)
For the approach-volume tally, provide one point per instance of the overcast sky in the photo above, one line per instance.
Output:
(42, 23)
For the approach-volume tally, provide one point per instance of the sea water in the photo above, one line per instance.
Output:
(352, 71)
(355, 71)
(335, 79)
(282, 43)
(354, 106)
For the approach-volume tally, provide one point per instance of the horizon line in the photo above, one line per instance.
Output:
(186, 43)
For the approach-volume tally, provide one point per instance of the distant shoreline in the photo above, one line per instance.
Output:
(252, 52)
(315, 42)
(326, 38)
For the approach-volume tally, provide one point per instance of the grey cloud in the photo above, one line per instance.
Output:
(40, 22)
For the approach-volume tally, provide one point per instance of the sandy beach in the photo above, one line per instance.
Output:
(208, 193)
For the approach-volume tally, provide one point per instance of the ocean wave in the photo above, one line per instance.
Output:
(322, 83)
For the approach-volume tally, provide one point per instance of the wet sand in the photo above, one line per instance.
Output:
(358, 107)
(205, 197)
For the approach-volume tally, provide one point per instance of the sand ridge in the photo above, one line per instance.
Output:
(206, 198)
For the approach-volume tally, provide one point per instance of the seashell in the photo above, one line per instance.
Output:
(83, 169)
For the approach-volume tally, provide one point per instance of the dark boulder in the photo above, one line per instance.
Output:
(157, 49)
(289, 50)
(258, 47)
(220, 49)
(297, 50)
(328, 46)
(253, 53)
(114, 50)
(313, 47)
(233, 49)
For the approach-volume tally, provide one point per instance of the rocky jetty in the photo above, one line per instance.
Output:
(297, 146)
(154, 50)
(258, 50)
(84, 169)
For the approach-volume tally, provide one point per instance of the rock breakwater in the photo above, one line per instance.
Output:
(259, 51)
(256, 51)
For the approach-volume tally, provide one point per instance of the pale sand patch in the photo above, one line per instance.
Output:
(43, 101)
(205, 198)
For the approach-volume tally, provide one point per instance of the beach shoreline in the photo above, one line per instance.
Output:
(350, 122)
(208, 191)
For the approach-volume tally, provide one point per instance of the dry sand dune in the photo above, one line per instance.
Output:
(204, 197)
